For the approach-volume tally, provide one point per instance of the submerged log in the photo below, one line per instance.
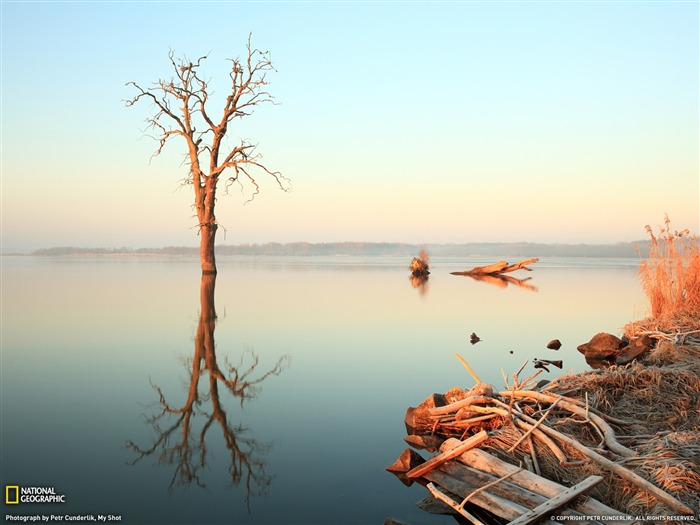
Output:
(499, 268)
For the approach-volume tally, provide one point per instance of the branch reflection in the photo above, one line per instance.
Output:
(179, 442)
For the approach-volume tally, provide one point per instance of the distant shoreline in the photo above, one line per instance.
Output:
(519, 249)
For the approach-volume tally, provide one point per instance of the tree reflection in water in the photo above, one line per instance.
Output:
(420, 282)
(187, 449)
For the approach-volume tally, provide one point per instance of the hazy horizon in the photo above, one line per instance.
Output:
(302, 248)
(9, 250)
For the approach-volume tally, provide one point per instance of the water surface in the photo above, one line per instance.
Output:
(85, 340)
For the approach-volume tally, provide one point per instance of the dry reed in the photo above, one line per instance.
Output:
(670, 277)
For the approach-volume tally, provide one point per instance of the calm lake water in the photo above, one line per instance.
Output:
(88, 344)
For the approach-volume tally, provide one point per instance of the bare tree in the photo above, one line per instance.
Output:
(181, 110)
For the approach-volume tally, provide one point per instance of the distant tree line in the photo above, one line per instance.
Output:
(57, 251)
(521, 249)
(532, 249)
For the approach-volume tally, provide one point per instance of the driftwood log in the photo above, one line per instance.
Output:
(485, 462)
(499, 268)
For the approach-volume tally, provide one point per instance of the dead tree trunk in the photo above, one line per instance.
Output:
(205, 198)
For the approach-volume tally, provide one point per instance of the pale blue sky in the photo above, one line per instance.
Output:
(419, 122)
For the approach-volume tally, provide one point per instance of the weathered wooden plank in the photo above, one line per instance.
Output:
(485, 462)
(503, 489)
(549, 506)
(502, 507)
(448, 455)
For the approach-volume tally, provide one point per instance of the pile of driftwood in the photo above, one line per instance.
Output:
(546, 450)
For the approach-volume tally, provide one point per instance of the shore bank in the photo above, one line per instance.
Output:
(635, 426)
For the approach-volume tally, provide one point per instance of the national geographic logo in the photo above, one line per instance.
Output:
(14, 495)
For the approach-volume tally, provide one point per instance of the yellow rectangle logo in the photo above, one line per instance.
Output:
(9, 499)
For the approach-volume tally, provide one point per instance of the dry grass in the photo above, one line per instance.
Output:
(660, 401)
(670, 278)
(662, 393)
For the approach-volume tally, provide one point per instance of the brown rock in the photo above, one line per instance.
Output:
(598, 364)
(601, 346)
(636, 348)
(554, 344)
